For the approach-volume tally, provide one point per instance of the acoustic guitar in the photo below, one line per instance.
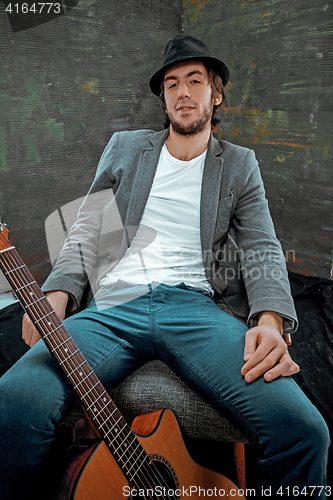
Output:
(123, 464)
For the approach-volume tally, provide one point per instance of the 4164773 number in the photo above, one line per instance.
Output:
(311, 491)
(34, 8)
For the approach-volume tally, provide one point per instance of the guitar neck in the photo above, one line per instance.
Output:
(97, 403)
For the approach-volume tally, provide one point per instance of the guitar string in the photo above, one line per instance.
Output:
(45, 310)
(40, 305)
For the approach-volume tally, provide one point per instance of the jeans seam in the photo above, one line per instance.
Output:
(109, 356)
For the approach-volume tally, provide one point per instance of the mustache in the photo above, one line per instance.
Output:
(185, 103)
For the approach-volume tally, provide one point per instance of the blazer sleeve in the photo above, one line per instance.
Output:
(78, 256)
(261, 257)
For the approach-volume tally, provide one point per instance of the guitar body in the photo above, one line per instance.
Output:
(100, 478)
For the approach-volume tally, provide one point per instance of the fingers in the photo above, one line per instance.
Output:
(266, 354)
(259, 343)
(250, 344)
(292, 370)
(58, 300)
(285, 367)
(29, 333)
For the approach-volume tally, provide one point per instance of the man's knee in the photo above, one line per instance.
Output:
(317, 434)
(19, 408)
(31, 396)
(310, 432)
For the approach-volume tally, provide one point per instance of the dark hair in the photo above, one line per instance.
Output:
(217, 88)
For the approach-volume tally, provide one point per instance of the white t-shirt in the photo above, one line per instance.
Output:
(167, 246)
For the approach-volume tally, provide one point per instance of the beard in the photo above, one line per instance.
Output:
(194, 127)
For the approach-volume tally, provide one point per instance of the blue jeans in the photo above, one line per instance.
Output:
(203, 345)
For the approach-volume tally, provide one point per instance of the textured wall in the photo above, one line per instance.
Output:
(66, 86)
(280, 103)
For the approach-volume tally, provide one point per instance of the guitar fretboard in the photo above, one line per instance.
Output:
(122, 442)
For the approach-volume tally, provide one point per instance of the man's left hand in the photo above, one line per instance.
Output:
(265, 351)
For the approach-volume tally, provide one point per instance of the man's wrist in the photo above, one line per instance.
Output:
(275, 321)
(60, 295)
(267, 318)
(58, 300)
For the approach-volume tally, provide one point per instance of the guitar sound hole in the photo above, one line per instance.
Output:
(158, 481)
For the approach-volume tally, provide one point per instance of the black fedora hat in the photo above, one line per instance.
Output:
(183, 48)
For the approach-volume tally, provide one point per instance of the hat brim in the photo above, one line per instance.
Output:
(211, 62)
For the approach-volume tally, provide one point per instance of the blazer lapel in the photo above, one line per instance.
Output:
(210, 194)
(143, 182)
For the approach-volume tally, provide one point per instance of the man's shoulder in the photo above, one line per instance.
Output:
(141, 136)
(132, 142)
(235, 157)
(228, 150)
(231, 148)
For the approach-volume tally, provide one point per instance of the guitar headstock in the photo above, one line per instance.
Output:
(4, 242)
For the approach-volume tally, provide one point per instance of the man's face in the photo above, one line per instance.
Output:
(188, 97)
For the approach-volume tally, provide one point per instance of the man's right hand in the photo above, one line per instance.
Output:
(58, 301)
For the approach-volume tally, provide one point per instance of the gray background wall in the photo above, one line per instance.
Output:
(68, 84)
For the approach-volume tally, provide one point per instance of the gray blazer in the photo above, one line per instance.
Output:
(242, 257)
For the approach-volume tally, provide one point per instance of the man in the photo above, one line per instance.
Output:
(160, 283)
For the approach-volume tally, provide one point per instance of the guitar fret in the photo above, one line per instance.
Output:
(57, 347)
(64, 360)
(93, 387)
(46, 315)
(134, 439)
(77, 385)
(121, 430)
(124, 444)
(113, 428)
(137, 470)
(71, 373)
(32, 303)
(106, 421)
(47, 334)
(104, 408)
(6, 249)
(25, 286)
(16, 268)
(104, 405)
(130, 445)
(92, 404)
(131, 454)
(116, 430)
(127, 447)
